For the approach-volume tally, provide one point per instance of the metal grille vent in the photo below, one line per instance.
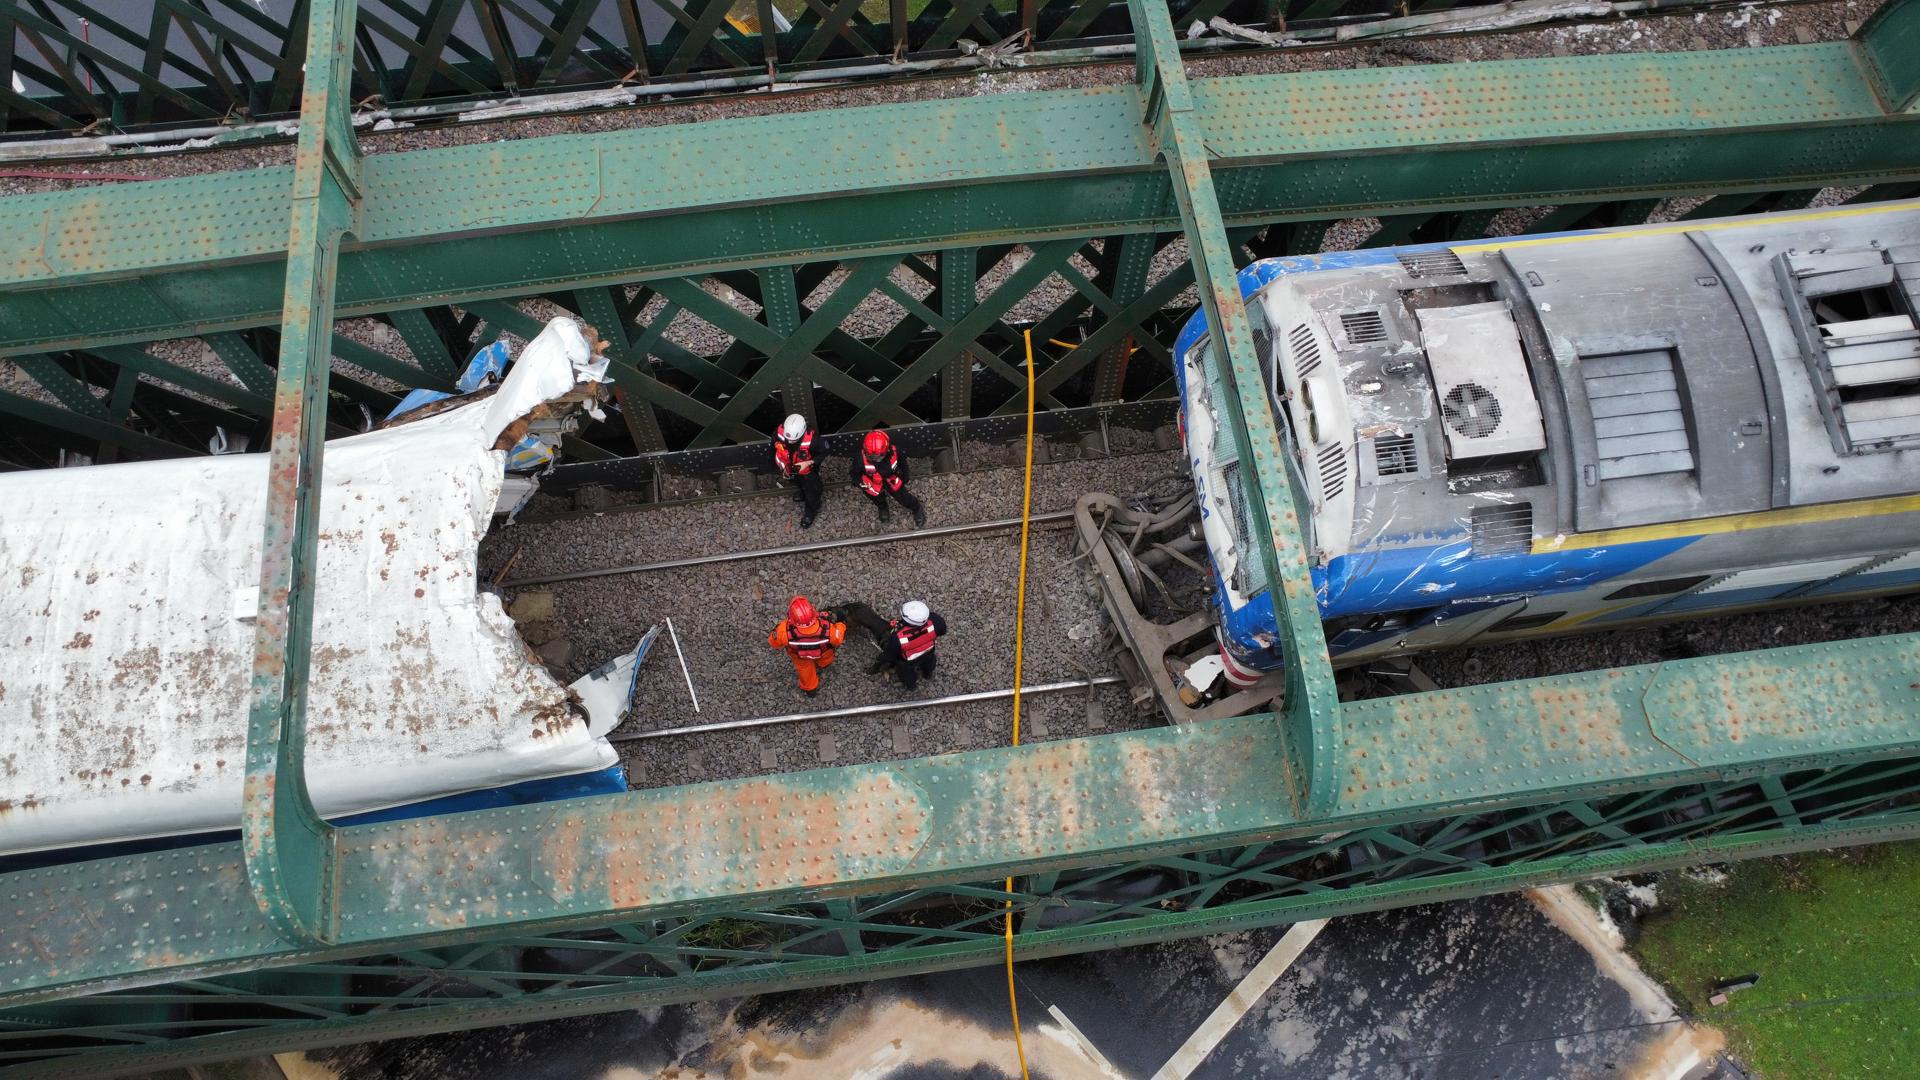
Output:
(1472, 410)
(1248, 573)
(1394, 455)
(1306, 351)
(1364, 327)
(1499, 530)
(1432, 264)
(1639, 419)
(1333, 472)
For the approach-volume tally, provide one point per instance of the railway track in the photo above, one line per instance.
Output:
(724, 587)
(724, 570)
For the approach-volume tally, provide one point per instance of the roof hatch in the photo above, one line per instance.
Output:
(1480, 376)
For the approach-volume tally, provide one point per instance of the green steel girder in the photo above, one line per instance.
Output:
(1890, 51)
(567, 212)
(1310, 705)
(720, 885)
(758, 884)
(973, 817)
(291, 857)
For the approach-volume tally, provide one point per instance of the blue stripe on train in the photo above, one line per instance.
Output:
(1868, 582)
(608, 781)
(1242, 630)
(1429, 578)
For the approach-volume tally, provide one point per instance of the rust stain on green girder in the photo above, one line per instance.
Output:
(1765, 706)
(1496, 737)
(802, 831)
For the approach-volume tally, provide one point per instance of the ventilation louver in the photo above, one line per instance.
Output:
(1863, 305)
(1249, 574)
(1333, 472)
(1639, 423)
(1306, 351)
(1363, 327)
(1501, 530)
(1394, 455)
(1432, 264)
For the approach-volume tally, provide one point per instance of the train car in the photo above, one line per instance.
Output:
(128, 617)
(1547, 434)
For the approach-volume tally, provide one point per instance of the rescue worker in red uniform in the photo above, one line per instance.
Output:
(882, 474)
(810, 639)
(910, 648)
(793, 455)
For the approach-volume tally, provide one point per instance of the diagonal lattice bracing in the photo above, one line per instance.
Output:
(728, 951)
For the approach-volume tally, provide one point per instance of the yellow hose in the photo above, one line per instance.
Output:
(1019, 654)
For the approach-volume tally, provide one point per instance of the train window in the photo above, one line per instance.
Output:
(1657, 588)
(1376, 622)
(1526, 620)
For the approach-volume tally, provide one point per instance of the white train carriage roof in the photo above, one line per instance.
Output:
(126, 633)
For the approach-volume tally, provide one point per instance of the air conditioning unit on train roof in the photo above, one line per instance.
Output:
(1487, 402)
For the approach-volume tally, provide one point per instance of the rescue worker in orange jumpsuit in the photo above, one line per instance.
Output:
(810, 639)
(910, 647)
(882, 473)
(793, 456)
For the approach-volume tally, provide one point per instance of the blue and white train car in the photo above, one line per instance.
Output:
(1546, 434)
(128, 623)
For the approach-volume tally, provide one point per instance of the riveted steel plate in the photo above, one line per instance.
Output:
(1544, 735)
(1021, 166)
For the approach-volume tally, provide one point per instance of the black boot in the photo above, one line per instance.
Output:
(919, 515)
(806, 519)
(886, 512)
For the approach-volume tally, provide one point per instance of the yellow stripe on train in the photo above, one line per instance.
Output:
(1687, 227)
(1761, 519)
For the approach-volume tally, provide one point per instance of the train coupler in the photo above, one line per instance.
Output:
(1178, 663)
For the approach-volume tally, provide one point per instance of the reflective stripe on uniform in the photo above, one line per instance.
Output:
(915, 641)
(794, 458)
(873, 478)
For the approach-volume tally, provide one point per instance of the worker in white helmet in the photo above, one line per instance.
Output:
(793, 455)
(910, 647)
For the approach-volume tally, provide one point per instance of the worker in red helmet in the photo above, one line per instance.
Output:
(793, 455)
(909, 646)
(881, 472)
(810, 639)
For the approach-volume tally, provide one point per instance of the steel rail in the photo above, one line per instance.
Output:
(866, 710)
(772, 492)
(1058, 516)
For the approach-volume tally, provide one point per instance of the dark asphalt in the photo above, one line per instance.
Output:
(1480, 988)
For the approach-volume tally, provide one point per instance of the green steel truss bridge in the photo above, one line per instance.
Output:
(303, 934)
(86, 65)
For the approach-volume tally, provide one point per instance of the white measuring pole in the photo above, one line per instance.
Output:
(684, 673)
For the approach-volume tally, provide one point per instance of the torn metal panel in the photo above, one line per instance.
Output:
(129, 634)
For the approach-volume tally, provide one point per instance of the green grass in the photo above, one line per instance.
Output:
(1815, 927)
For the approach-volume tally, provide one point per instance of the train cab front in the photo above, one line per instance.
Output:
(1413, 440)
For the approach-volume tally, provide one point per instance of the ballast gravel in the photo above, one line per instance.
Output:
(723, 613)
(990, 492)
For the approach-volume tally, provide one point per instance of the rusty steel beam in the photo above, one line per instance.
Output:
(290, 851)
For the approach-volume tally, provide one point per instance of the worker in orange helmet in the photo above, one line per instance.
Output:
(809, 638)
(881, 473)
